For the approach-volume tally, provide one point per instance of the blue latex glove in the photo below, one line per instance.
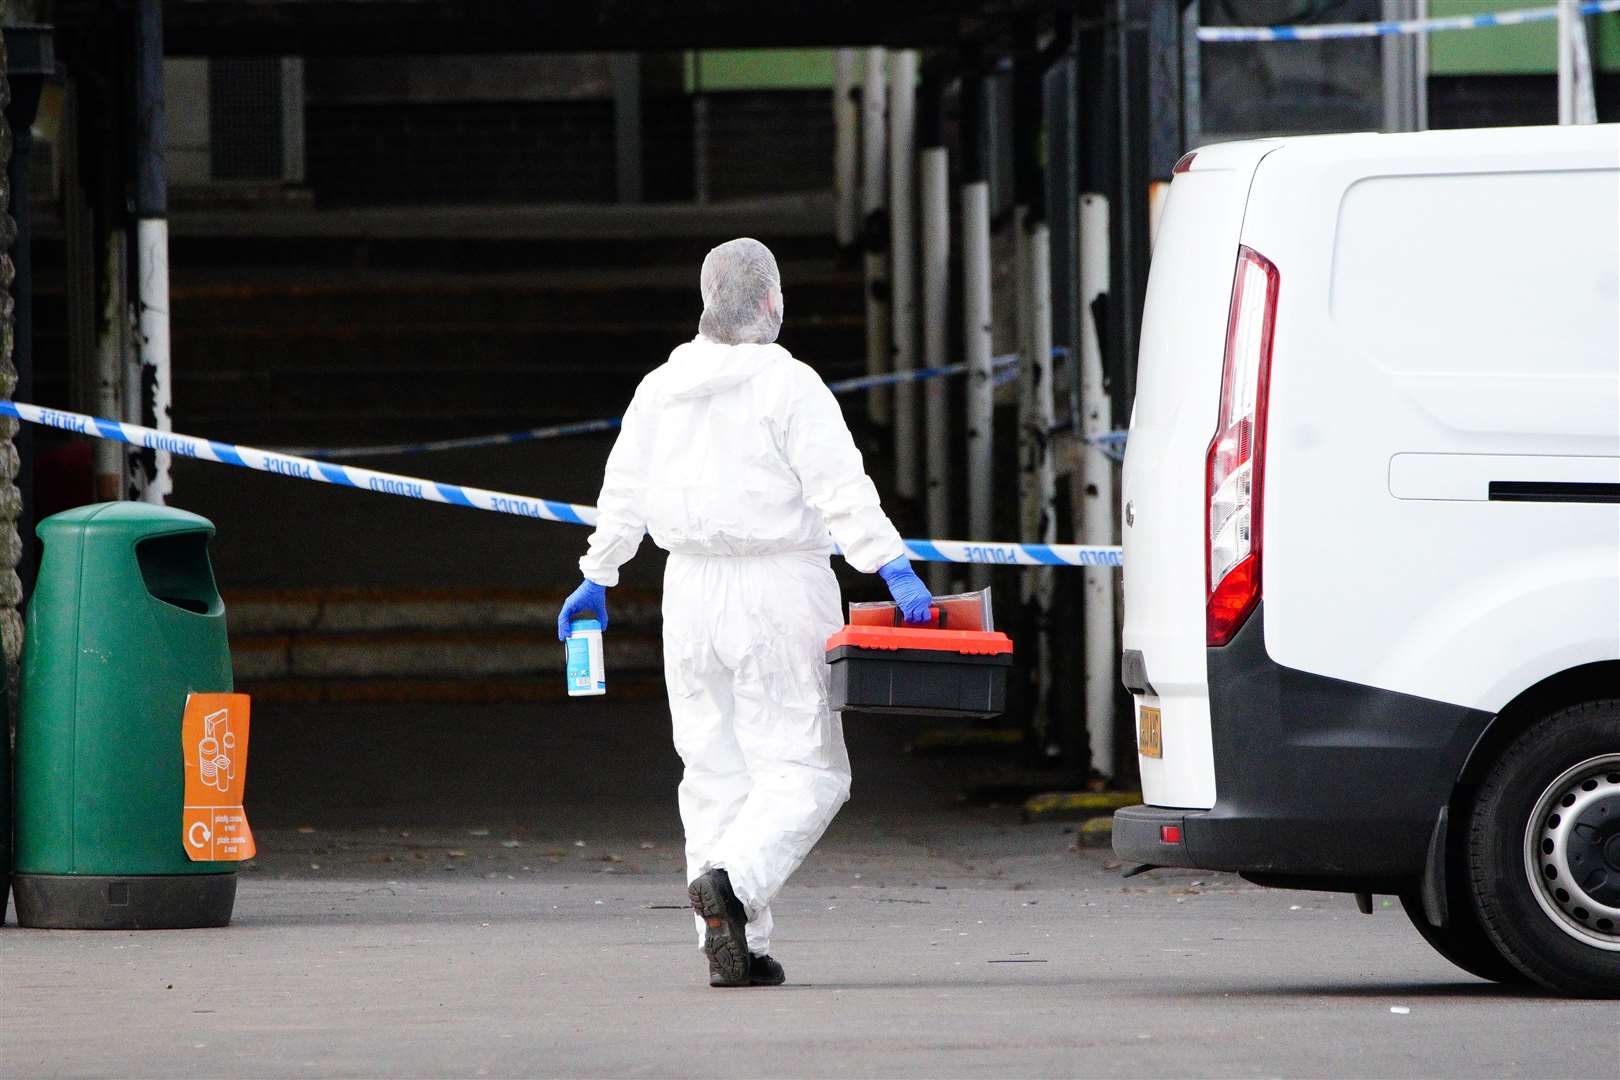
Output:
(590, 598)
(908, 591)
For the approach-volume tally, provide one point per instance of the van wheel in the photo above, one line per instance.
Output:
(1462, 940)
(1544, 851)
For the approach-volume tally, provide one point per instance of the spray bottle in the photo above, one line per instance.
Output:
(587, 674)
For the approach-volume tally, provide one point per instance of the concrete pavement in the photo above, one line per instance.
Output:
(497, 892)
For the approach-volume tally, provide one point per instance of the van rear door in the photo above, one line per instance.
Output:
(1177, 401)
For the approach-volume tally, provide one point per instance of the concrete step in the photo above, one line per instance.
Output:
(416, 636)
(252, 612)
(457, 654)
(622, 688)
(375, 298)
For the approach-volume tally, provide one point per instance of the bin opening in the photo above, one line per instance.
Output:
(176, 571)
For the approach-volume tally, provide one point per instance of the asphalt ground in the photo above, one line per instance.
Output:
(497, 891)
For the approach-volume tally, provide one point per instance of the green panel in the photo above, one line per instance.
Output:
(124, 623)
(761, 69)
(1510, 50)
(1606, 49)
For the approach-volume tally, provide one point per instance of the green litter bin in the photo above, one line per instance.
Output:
(125, 621)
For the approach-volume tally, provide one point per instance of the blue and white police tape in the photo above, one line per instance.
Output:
(1005, 369)
(499, 502)
(1335, 31)
(1111, 444)
(978, 551)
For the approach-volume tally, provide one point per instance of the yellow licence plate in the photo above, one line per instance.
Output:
(1149, 732)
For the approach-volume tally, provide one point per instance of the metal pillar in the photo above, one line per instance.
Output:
(1023, 324)
(976, 320)
(1406, 69)
(1058, 103)
(627, 125)
(1043, 474)
(846, 151)
(1148, 58)
(903, 261)
(1036, 412)
(934, 194)
(1094, 489)
(152, 480)
(874, 205)
(112, 346)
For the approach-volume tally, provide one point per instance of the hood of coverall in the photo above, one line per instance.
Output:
(702, 368)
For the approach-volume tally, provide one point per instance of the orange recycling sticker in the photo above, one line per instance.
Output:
(214, 742)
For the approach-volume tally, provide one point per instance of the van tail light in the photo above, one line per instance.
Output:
(1235, 468)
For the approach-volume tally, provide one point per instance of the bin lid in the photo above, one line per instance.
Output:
(140, 518)
(892, 638)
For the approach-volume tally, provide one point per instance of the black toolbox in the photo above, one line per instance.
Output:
(920, 671)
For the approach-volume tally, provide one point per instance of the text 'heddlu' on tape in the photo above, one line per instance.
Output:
(411, 487)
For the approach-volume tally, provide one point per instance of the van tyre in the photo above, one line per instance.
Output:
(1544, 851)
(1462, 940)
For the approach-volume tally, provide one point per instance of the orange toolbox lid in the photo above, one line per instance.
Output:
(894, 638)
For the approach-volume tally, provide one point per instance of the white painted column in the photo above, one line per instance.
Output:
(846, 151)
(934, 184)
(903, 260)
(1577, 94)
(980, 376)
(152, 272)
(1039, 369)
(874, 198)
(1094, 497)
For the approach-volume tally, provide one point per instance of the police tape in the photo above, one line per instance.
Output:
(1004, 368)
(499, 502)
(1337, 31)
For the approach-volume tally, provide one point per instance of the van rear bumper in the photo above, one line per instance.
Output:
(1315, 778)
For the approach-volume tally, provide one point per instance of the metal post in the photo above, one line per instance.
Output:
(976, 322)
(1023, 324)
(1039, 370)
(1128, 196)
(1094, 493)
(152, 477)
(874, 197)
(1406, 70)
(112, 346)
(903, 258)
(627, 125)
(79, 258)
(934, 190)
(1028, 211)
(846, 151)
(1058, 103)
(1192, 80)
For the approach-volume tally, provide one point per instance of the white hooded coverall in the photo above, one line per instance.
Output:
(737, 460)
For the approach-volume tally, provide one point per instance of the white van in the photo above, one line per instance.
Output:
(1372, 535)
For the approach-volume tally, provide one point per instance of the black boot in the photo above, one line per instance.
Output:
(764, 971)
(725, 941)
